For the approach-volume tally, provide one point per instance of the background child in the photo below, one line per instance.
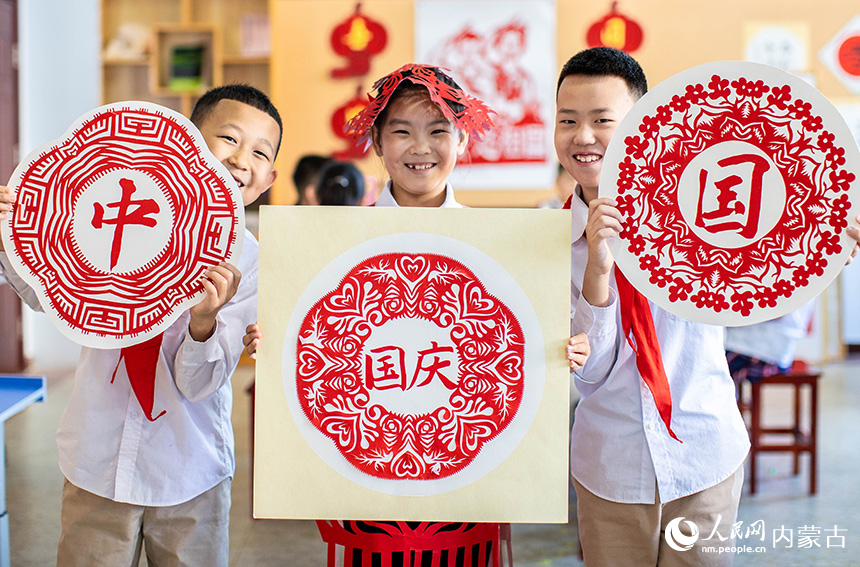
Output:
(340, 183)
(164, 481)
(305, 176)
(631, 470)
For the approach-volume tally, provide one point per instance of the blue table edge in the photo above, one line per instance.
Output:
(29, 389)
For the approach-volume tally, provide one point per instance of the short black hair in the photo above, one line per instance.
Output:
(606, 62)
(239, 92)
(340, 183)
(307, 172)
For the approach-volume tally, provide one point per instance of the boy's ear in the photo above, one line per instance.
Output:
(463, 143)
(272, 176)
(375, 140)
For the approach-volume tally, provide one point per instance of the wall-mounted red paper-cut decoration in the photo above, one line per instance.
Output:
(358, 39)
(342, 114)
(615, 30)
(849, 55)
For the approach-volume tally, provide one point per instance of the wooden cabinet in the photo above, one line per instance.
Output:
(150, 48)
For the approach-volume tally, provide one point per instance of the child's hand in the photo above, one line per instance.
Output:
(604, 222)
(7, 199)
(578, 350)
(251, 340)
(854, 232)
(220, 284)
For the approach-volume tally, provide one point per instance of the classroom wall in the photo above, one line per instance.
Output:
(59, 79)
(678, 34)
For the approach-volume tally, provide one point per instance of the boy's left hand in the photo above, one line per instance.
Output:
(578, 349)
(220, 284)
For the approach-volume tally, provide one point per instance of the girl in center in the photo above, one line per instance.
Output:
(419, 122)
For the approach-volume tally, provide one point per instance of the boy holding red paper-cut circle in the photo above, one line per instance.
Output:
(155, 470)
(658, 444)
(655, 437)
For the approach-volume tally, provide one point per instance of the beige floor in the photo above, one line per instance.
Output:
(34, 482)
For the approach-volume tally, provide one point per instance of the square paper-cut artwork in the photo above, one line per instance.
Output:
(412, 365)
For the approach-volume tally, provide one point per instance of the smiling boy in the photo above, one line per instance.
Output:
(163, 481)
(634, 470)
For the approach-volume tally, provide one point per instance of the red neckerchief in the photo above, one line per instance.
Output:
(141, 361)
(636, 317)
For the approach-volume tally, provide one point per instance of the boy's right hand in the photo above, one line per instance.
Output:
(251, 340)
(604, 223)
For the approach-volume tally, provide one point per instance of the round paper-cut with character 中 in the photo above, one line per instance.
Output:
(116, 221)
(735, 182)
(413, 364)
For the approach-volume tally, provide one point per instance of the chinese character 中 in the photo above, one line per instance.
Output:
(125, 215)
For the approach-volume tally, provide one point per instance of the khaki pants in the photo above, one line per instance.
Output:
(614, 534)
(98, 531)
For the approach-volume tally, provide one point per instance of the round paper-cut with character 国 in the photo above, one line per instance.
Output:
(406, 360)
(116, 221)
(735, 182)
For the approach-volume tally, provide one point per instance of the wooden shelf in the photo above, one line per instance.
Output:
(215, 24)
(243, 60)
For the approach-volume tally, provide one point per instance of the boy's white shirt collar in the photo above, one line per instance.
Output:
(386, 199)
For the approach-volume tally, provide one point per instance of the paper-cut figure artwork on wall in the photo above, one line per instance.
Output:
(499, 53)
(494, 68)
(735, 182)
(116, 221)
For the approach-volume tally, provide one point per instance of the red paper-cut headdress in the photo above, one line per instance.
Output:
(467, 112)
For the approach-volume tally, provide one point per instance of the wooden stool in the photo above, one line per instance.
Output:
(801, 441)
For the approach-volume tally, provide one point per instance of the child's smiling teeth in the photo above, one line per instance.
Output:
(587, 158)
(419, 166)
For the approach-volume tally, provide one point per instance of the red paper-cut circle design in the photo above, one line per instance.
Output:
(774, 258)
(399, 410)
(128, 167)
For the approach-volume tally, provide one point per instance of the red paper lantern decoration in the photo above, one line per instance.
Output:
(340, 117)
(358, 38)
(615, 30)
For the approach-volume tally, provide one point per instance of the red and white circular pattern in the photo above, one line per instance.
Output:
(116, 221)
(735, 182)
(410, 366)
